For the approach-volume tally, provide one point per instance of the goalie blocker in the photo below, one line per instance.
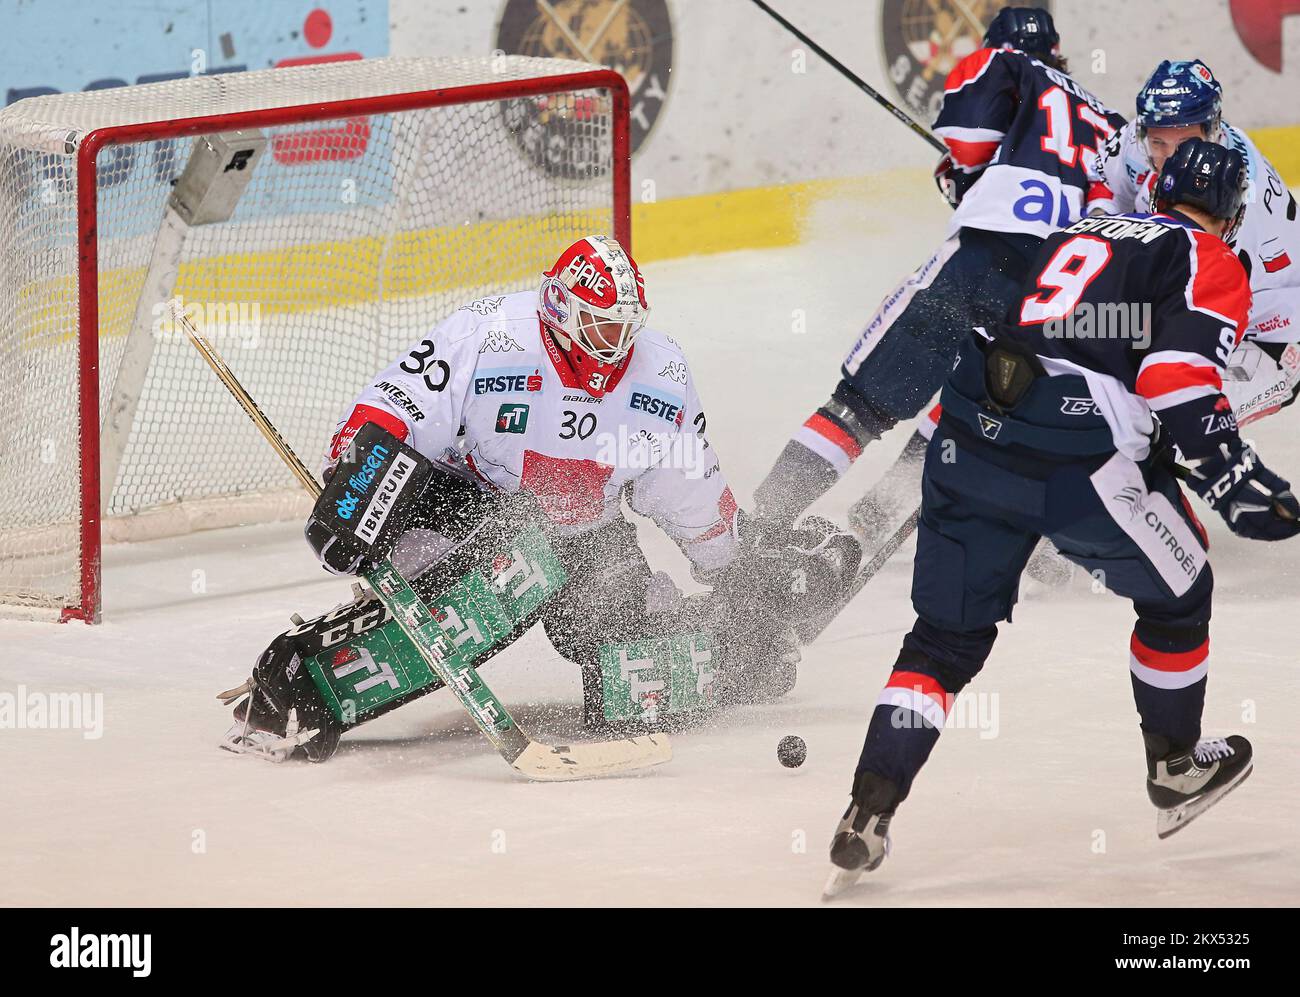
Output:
(486, 567)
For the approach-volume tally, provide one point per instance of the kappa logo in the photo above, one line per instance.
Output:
(674, 370)
(499, 341)
(990, 427)
(483, 306)
(1078, 406)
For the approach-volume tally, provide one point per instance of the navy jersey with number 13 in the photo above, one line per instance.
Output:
(1030, 133)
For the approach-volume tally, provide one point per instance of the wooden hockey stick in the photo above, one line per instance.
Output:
(528, 757)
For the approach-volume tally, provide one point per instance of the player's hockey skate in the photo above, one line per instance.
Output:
(1183, 783)
(861, 840)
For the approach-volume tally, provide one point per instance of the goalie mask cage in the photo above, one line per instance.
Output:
(314, 221)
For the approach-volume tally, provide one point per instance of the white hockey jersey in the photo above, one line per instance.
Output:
(1268, 243)
(489, 393)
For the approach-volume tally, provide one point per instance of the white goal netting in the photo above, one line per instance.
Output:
(354, 234)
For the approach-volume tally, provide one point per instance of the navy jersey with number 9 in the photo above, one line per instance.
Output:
(1147, 308)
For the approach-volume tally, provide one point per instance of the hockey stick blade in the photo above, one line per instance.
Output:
(592, 760)
(867, 572)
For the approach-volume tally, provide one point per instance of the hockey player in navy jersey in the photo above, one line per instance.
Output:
(1019, 132)
(1048, 432)
(1181, 100)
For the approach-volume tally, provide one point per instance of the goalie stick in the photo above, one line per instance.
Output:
(529, 758)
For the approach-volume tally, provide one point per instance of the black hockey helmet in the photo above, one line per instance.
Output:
(1026, 29)
(1208, 176)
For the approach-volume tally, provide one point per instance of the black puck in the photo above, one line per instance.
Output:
(791, 752)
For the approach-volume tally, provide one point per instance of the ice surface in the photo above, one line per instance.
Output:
(417, 809)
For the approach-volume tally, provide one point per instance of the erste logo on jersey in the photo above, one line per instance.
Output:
(507, 380)
(658, 404)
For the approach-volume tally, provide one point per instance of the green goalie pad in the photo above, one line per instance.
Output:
(360, 676)
(645, 680)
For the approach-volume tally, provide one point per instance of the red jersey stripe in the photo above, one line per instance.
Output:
(1163, 378)
(928, 685)
(971, 153)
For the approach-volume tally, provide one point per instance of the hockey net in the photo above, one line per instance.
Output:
(376, 196)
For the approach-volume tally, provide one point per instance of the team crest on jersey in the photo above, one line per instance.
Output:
(921, 43)
(499, 341)
(674, 370)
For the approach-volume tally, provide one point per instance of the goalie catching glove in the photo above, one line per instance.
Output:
(1253, 501)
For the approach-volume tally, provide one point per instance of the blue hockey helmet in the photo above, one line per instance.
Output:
(1026, 29)
(1181, 92)
(1208, 176)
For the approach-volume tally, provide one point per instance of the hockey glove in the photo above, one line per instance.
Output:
(945, 179)
(1253, 501)
(369, 501)
(790, 572)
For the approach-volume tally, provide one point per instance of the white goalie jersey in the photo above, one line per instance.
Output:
(490, 394)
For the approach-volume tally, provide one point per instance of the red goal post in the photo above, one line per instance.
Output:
(491, 181)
